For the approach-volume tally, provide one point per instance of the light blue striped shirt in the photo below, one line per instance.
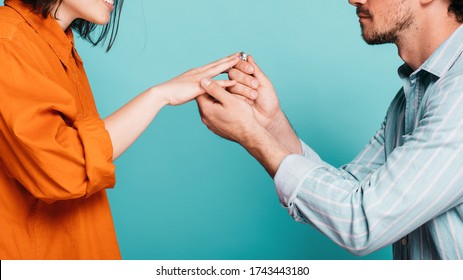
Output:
(406, 187)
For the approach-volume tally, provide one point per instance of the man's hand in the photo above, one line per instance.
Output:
(249, 75)
(267, 106)
(225, 114)
(233, 118)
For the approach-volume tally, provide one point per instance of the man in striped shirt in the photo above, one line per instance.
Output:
(406, 187)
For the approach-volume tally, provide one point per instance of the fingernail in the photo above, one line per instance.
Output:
(206, 82)
(254, 94)
(250, 69)
(254, 83)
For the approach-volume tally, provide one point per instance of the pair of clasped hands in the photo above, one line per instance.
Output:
(230, 108)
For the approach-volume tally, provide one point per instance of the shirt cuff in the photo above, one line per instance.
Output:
(292, 172)
(308, 152)
(98, 151)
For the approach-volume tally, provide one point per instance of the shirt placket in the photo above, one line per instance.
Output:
(411, 95)
(402, 247)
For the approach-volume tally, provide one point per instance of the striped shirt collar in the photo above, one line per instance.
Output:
(442, 58)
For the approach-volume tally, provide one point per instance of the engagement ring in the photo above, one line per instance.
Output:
(243, 56)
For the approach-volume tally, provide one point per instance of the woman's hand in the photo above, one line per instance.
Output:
(186, 87)
(126, 124)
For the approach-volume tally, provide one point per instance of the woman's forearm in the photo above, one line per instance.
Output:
(128, 123)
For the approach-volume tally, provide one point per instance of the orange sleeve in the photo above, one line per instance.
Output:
(52, 158)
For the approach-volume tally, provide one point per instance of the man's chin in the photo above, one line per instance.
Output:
(377, 39)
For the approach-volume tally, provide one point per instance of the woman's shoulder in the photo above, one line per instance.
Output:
(10, 23)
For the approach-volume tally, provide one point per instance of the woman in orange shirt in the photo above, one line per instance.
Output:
(56, 153)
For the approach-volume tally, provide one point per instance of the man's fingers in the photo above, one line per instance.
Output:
(215, 90)
(208, 98)
(204, 103)
(257, 71)
(243, 78)
(226, 83)
(242, 90)
(249, 101)
(245, 67)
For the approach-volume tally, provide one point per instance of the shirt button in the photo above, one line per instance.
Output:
(404, 242)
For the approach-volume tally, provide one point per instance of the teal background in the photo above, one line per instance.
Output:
(184, 193)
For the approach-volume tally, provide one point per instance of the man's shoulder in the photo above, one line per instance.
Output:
(457, 65)
(454, 74)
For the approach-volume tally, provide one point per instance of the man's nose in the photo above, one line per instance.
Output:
(357, 3)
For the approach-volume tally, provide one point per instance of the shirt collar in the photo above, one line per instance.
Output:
(61, 42)
(441, 59)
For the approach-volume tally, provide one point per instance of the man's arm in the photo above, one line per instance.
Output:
(420, 180)
(370, 159)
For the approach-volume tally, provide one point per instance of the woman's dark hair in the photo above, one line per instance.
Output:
(82, 27)
(456, 7)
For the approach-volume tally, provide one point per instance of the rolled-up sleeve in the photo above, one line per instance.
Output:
(50, 149)
(98, 153)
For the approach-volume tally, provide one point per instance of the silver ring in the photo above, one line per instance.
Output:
(243, 56)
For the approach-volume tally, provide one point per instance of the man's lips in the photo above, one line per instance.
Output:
(361, 13)
(363, 16)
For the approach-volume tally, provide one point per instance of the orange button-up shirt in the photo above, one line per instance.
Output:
(55, 154)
